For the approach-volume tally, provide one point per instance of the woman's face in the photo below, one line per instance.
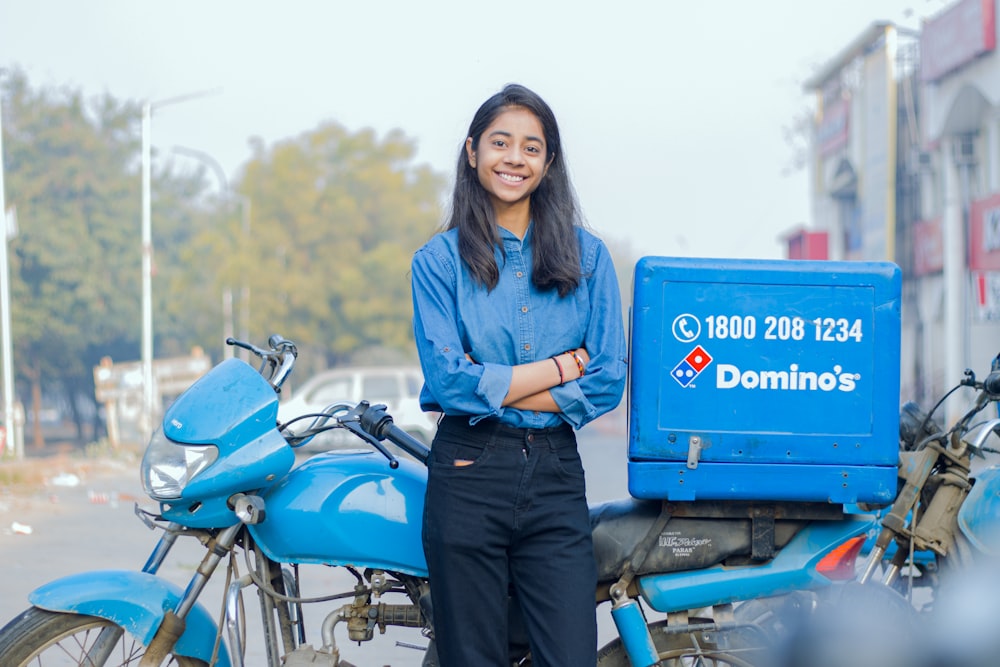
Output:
(510, 158)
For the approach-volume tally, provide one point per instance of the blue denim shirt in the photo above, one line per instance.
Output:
(513, 324)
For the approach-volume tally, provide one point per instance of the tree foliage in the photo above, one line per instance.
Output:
(334, 218)
(72, 174)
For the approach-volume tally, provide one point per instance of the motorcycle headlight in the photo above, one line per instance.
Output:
(167, 466)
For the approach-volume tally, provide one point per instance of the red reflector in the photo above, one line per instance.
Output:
(838, 565)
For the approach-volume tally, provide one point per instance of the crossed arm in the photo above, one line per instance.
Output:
(530, 383)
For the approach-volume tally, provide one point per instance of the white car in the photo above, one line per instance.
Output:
(398, 388)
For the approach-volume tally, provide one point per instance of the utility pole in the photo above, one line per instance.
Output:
(149, 408)
(9, 421)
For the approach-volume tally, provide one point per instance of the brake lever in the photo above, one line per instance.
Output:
(354, 426)
(246, 346)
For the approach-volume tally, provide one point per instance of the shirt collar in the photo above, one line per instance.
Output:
(508, 237)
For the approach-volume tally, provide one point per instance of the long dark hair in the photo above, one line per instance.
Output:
(554, 209)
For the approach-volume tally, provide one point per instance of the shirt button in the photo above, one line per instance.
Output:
(527, 346)
(524, 309)
(519, 274)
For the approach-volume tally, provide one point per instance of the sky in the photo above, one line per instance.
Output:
(673, 115)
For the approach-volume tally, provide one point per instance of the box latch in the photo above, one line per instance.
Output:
(694, 451)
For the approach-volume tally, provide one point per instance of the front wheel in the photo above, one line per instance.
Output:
(48, 638)
(704, 648)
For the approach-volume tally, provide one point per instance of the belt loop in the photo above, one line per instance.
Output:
(493, 427)
(496, 426)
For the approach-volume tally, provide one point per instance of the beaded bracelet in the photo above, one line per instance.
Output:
(579, 361)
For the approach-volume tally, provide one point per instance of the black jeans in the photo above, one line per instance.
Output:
(506, 512)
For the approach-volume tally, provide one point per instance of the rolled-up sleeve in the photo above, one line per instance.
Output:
(453, 384)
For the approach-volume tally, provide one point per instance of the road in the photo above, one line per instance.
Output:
(90, 525)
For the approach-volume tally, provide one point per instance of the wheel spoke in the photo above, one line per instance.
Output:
(103, 645)
(50, 639)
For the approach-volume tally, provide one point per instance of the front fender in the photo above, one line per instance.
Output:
(136, 601)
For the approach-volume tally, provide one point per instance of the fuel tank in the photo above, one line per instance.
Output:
(979, 517)
(347, 508)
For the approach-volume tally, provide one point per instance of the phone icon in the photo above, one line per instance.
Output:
(686, 328)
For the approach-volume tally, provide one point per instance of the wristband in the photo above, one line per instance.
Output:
(562, 380)
(579, 362)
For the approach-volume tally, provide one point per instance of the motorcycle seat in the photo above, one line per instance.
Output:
(685, 543)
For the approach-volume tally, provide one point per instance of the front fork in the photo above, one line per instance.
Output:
(173, 621)
(934, 528)
(100, 651)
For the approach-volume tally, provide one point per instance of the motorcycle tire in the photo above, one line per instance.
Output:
(682, 649)
(858, 625)
(40, 637)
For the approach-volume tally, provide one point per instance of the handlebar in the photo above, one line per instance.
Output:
(378, 423)
(277, 362)
(991, 384)
(369, 422)
(918, 429)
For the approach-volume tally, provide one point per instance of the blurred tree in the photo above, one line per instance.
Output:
(72, 172)
(336, 219)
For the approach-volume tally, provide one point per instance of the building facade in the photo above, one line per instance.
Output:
(905, 167)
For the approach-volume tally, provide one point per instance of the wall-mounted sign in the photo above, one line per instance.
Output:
(928, 247)
(957, 36)
(984, 234)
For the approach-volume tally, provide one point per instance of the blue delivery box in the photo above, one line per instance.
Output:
(772, 380)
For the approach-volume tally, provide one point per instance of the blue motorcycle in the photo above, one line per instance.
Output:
(943, 522)
(223, 472)
(926, 594)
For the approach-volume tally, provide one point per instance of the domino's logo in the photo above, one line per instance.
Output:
(691, 366)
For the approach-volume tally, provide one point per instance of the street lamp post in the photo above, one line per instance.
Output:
(148, 395)
(146, 423)
(8, 358)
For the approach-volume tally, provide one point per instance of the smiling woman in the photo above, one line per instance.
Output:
(517, 320)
